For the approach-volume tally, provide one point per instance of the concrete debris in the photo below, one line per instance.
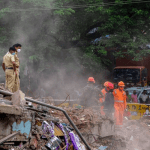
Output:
(18, 98)
(3, 101)
(9, 109)
(7, 98)
(131, 138)
(42, 128)
(2, 86)
(88, 121)
(136, 133)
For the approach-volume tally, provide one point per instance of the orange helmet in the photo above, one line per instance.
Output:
(106, 83)
(91, 79)
(121, 83)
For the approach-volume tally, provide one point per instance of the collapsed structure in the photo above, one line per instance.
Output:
(34, 125)
(38, 125)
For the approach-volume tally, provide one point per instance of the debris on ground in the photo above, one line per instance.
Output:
(136, 133)
(42, 128)
(2, 86)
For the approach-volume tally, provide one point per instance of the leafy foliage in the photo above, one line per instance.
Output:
(71, 33)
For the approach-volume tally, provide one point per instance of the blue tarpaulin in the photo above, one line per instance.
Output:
(23, 127)
(102, 147)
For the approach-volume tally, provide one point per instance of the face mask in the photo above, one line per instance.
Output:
(121, 88)
(18, 50)
(13, 53)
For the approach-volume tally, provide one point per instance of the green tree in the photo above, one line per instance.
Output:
(71, 34)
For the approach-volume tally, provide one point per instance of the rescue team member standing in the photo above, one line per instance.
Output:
(17, 80)
(90, 96)
(9, 68)
(109, 101)
(119, 103)
(102, 100)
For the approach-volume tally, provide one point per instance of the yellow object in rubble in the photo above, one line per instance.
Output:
(58, 131)
(38, 122)
(77, 106)
(71, 147)
(64, 105)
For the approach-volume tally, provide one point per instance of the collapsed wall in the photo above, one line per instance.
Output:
(96, 130)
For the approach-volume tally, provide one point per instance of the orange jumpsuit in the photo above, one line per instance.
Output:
(102, 100)
(119, 105)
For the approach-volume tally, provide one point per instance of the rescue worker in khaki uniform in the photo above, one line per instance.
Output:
(17, 80)
(119, 103)
(102, 99)
(9, 68)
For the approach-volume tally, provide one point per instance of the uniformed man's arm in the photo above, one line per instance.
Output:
(14, 65)
(13, 61)
(3, 66)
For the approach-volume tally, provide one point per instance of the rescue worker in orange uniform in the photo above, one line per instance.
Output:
(104, 91)
(119, 102)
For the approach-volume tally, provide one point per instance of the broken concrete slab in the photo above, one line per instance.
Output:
(107, 128)
(18, 98)
(10, 109)
(5, 102)
(7, 98)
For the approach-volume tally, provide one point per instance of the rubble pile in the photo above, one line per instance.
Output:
(50, 129)
(89, 122)
(136, 133)
(46, 132)
(2, 86)
(96, 129)
(82, 118)
(49, 133)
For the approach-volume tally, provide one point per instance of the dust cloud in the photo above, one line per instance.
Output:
(47, 66)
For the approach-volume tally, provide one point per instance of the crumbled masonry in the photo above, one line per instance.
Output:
(49, 129)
